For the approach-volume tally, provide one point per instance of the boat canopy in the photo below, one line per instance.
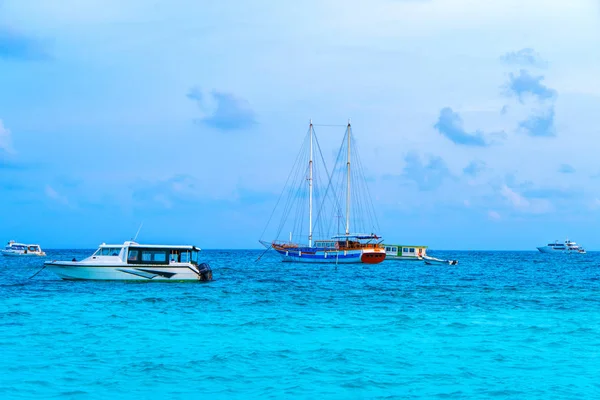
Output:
(357, 236)
(152, 246)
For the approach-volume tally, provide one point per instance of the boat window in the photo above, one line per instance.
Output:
(412, 250)
(133, 255)
(185, 256)
(110, 251)
(388, 249)
(394, 249)
(154, 257)
(195, 256)
(405, 250)
(151, 256)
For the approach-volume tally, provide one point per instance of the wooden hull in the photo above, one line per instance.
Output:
(358, 256)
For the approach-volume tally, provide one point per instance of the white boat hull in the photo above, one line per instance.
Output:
(437, 261)
(12, 253)
(548, 249)
(75, 271)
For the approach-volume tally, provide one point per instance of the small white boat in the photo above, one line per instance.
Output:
(566, 247)
(19, 249)
(138, 262)
(437, 261)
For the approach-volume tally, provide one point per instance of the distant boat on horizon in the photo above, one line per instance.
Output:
(557, 247)
(14, 249)
(340, 248)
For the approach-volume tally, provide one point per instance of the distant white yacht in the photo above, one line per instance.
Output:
(566, 247)
(19, 249)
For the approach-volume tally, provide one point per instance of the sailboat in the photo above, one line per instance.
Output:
(340, 248)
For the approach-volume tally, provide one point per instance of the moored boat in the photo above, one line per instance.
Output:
(138, 262)
(438, 261)
(14, 249)
(568, 246)
(331, 246)
(341, 249)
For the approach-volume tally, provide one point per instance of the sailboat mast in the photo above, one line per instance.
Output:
(310, 188)
(348, 185)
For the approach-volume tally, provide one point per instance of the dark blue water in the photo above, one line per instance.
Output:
(498, 325)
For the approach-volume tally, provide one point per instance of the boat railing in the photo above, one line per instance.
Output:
(358, 245)
(284, 244)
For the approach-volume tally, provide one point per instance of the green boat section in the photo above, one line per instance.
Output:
(404, 252)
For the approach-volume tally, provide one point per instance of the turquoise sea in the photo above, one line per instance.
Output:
(508, 325)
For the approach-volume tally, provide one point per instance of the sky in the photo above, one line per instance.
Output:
(477, 121)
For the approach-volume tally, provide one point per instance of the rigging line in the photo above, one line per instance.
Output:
(333, 125)
(299, 208)
(296, 172)
(360, 179)
(293, 202)
(289, 204)
(325, 197)
(263, 253)
(337, 187)
(369, 197)
(330, 176)
(282, 191)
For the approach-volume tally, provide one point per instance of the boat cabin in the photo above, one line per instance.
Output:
(134, 253)
(34, 248)
(397, 251)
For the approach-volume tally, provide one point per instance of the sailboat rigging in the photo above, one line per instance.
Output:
(327, 248)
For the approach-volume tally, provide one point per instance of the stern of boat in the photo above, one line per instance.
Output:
(372, 256)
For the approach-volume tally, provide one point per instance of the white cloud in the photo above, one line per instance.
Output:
(54, 195)
(494, 215)
(5, 139)
(513, 197)
(520, 203)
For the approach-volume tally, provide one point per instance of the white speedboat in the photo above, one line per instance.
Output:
(558, 247)
(133, 261)
(437, 261)
(19, 249)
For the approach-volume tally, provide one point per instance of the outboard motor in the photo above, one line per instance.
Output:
(204, 272)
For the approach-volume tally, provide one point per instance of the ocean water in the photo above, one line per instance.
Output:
(520, 325)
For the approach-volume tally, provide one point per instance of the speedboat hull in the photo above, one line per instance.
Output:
(78, 271)
(437, 261)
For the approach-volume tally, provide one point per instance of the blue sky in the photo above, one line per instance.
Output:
(476, 121)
